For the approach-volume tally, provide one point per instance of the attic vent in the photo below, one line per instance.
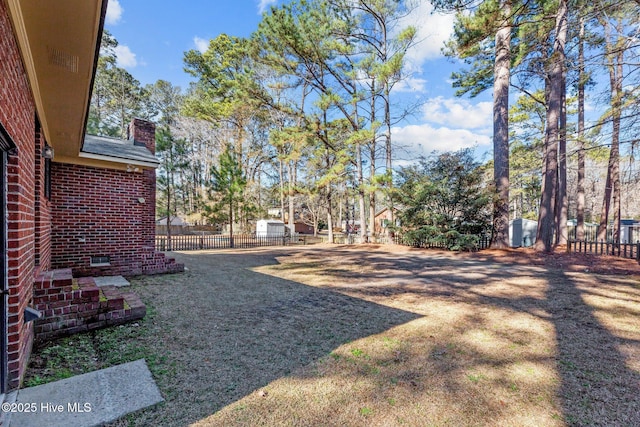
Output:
(62, 59)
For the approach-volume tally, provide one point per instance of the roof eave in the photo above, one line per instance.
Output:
(120, 160)
(60, 44)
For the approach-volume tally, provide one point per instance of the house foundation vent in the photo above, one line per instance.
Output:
(100, 261)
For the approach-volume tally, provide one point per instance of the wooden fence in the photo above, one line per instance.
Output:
(217, 241)
(622, 250)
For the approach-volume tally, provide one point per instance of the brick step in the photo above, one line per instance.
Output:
(55, 279)
(134, 307)
(158, 263)
(83, 306)
(57, 294)
(110, 298)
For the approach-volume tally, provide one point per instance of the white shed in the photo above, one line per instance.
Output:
(522, 232)
(629, 229)
(270, 228)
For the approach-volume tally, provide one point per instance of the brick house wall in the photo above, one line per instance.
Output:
(17, 115)
(42, 207)
(100, 212)
(90, 211)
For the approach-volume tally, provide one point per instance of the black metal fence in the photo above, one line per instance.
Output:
(590, 232)
(622, 250)
(354, 239)
(217, 241)
(483, 243)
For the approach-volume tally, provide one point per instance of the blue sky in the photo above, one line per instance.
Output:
(153, 37)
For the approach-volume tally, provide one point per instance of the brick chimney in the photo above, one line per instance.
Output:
(143, 133)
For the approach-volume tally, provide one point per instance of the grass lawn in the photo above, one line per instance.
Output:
(376, 336)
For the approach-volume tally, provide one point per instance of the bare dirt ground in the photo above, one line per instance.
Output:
(385, 336)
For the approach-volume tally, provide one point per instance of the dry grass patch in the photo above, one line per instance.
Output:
(415, 374)
(502, 343)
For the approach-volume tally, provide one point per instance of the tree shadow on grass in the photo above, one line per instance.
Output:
(228, 330)
(597, 388)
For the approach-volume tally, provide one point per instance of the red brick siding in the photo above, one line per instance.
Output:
(17, 115)
(43, 210)
(97, 212)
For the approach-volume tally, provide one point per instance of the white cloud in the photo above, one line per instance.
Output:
(114, 12)
(201, 44)
(126, 58)
(589, 107)
(460, 113)
(411, 85)
(423, 139)
(433, 30)
(264, 4)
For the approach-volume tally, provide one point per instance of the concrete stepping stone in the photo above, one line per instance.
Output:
(87, 400)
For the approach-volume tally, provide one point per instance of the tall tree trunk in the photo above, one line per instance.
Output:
(580, 199)
(291, 193)
(281, 172)
(388, 150)
(315, 225)
(502, 73)
(362, 216)
(546, 217)
(562, 203)
(372, 165)
(617, 113)
(612, 186)
(372, 212)
(169, 245)
(361, 195)
(259, 185)
(231, 223)
(340, 212)
(606, 202)
(329, 215)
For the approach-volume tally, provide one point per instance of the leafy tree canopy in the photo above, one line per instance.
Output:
(444, 201)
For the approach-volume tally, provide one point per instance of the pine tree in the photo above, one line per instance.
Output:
(117, 96)
(228, 182)
(555, 72)
(471, 41)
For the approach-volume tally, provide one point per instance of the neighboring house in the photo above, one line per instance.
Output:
(383, 220)
(178, 225)
(69, 205)
(302, 228)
